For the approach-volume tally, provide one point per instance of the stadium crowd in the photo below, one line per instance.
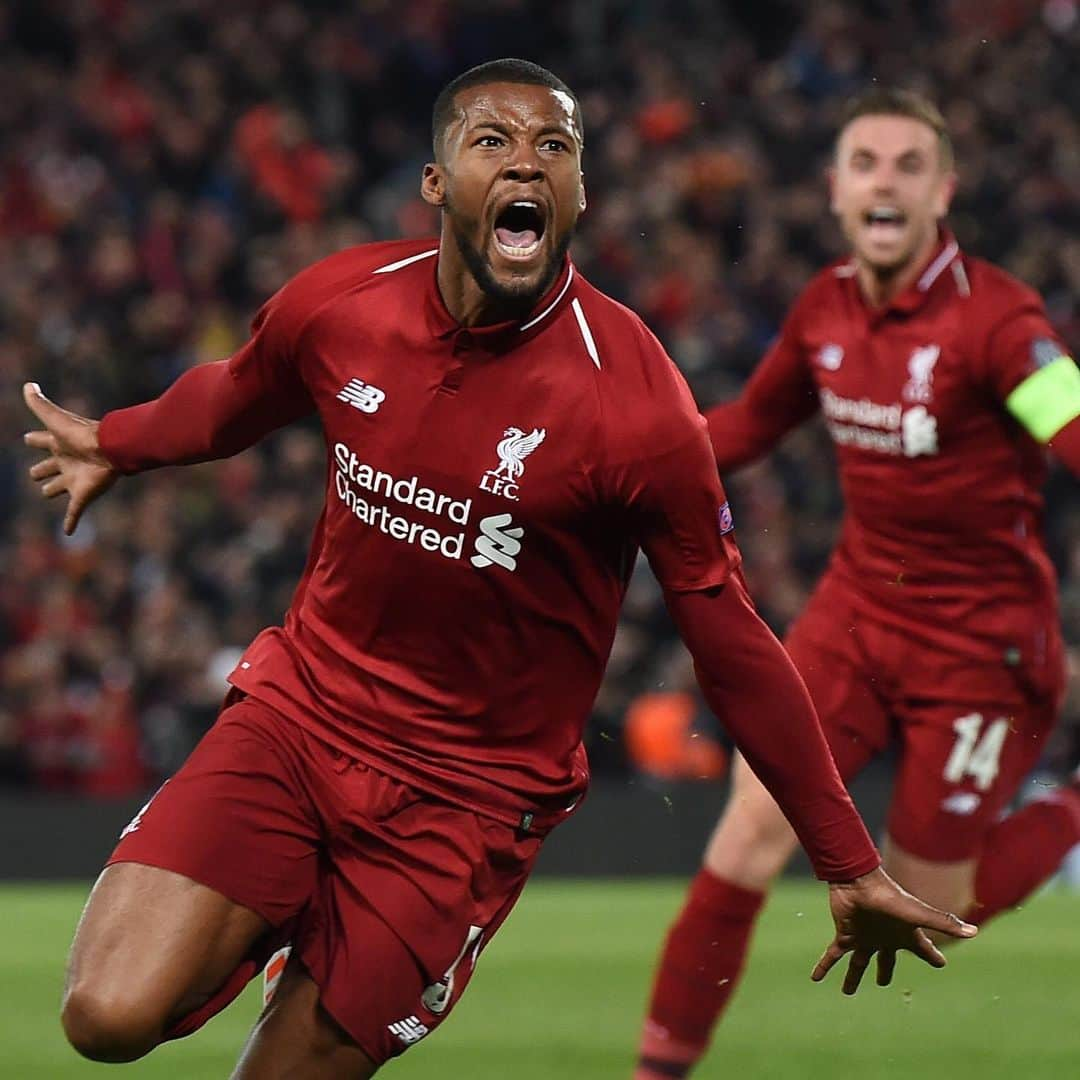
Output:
(168, 165)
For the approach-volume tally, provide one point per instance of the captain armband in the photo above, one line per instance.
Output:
(1048, 399)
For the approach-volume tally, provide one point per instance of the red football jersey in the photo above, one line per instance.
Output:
(942, 535)
(499, 480)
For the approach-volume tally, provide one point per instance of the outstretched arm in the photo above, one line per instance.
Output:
(750, 683)
(778, 396)
(211, 411)
(207, 413)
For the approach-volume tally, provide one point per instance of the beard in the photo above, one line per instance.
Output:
(521, 296)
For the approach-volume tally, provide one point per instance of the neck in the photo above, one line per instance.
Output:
(882, 287)
(466, 301)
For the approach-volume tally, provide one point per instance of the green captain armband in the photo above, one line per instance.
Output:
(1046, 401)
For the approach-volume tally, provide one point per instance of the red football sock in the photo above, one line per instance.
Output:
(1023, 850)
(700, 968)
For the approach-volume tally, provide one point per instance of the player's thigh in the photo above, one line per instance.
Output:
(297, 1037)
(151, 943)
(946, 885)
(960, 766)
(752, 841)
(225, 851)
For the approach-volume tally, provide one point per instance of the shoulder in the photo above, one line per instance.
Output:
(642, 394)
(630, 358)
(995, 291)
(335, 276)
(820, 299)
(828, 283)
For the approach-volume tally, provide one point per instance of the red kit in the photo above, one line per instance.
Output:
(937, 618)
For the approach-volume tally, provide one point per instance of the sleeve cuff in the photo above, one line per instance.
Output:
(113, 432)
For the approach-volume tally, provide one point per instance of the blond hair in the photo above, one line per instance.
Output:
(892, 101)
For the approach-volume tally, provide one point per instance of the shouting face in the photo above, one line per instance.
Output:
(509, 182)
(890, 188)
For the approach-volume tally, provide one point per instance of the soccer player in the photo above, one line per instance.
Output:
(941, 381)
(502, 438)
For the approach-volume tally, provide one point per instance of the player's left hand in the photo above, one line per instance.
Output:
(874, 915)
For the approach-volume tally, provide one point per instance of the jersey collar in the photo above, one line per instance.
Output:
(945, 264)
(497, 337)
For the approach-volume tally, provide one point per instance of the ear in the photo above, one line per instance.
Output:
(582, 202)
(945, 194)
(433, 185)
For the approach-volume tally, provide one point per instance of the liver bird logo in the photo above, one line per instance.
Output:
(514, 447)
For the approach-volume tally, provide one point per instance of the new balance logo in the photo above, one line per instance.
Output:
(409, 1030)
(497, 544)
(360, 395)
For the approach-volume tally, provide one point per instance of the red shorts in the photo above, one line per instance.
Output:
(387, 894)
(968, 731)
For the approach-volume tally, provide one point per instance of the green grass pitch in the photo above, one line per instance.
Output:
(561, 991)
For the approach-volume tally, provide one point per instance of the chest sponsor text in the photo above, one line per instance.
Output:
(887, 429)
(388, 503)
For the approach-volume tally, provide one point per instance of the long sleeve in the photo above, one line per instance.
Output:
(779, 396)
(1029, 369)
(750, 683)
(1066, 446)
(216, 410)
(208, 413)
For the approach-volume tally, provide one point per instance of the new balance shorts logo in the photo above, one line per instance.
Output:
(409, 1030)
(360, 395)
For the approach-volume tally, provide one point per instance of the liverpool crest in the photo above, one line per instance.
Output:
(514, 447)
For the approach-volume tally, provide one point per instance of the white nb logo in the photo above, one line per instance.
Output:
(830, 357)
(497, 544)
(919, 432)
(360, 395)
(409, 1030)
(514, 447)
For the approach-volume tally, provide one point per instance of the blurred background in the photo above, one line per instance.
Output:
(167, 165)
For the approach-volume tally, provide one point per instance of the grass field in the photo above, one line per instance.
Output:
(561, 990)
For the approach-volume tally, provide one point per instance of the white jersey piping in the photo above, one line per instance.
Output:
(391, 267)
(586, 333)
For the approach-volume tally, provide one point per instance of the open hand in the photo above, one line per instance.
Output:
(874, 915)
(75, 464)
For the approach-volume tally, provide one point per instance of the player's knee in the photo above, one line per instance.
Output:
(107, 1026)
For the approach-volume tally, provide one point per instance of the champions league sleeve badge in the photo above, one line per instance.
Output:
(1045, 351)
(727, 522)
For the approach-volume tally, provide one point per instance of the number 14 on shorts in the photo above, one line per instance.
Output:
(977, 751)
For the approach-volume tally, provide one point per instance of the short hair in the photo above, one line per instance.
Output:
(507, 70)
(893, 101)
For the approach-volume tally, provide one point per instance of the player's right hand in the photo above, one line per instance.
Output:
(75, 464)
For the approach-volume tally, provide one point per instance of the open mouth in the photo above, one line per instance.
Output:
(519, 228)
(885, 217)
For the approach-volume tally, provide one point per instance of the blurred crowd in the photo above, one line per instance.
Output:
(168, 164)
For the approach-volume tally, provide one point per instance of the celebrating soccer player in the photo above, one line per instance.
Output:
(941, 382)
(501, 440)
